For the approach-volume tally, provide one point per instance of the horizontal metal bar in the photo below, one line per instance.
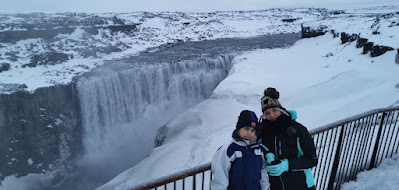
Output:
(207, 166)
(173, 177)
(350, 119)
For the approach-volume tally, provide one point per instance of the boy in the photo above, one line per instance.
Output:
(240, 164)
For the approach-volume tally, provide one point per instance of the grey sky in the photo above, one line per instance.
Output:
(171, 5)
(127, 5)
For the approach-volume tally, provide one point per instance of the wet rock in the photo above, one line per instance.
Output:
(379, 50)
(160, 136)
(360, 42)
(348, 38)
(308, 32)
(4, 67)
(37, 129)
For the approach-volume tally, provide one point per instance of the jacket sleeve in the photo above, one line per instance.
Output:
(220, 166)
(307, 150)
(264, 181)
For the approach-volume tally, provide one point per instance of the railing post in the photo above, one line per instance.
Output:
(336, 159)
(374, 155)
(194, 183)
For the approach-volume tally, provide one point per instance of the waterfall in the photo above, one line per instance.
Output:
(122, 110)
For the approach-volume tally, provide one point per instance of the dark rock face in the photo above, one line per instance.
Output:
(397, 57)
(290, 19)
(360, 42)
(348, 38)
(379, 50)
(335, 34)
(49, 58)
(123, 28)
(367, 47)
(37, 130)
(375, 50)
(4, 67)
(308, 32)
(337, 12)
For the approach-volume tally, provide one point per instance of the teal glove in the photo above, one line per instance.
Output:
(278, 169)
(270, 157)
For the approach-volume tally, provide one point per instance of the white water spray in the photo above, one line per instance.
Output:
(122, 110)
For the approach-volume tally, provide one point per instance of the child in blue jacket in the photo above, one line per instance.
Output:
(240, 164)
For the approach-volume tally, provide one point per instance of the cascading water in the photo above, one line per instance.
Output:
(122, 109)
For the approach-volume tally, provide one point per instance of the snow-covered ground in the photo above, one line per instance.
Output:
(320, 78)
(385, 176)
(53, 53)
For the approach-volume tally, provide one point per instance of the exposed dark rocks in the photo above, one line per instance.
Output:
(4, 67)
(376, 32)
(89, 52)
(308, 32)
(337, 12)
(367, 47)
(348, 38)
(335, 34)
(393, 23)
(329, 54)
(117, 21)
(360, 42)
(379, 50)
(109, 49)
(397, 57)
(290, 19)
(46, 34)
(123, 28)
(48, 58)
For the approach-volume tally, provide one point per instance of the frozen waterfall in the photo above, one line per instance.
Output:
(122, 110)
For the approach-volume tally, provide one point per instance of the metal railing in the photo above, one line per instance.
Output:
(345, 148)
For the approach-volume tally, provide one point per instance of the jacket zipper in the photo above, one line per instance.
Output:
(276, 150)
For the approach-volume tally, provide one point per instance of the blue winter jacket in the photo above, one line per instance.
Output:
(239, 166)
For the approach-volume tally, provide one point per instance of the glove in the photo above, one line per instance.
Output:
(278, 169)
(270, 158)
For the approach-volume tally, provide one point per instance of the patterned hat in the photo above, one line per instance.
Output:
(270, 99)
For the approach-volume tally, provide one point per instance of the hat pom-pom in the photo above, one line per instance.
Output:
(272, 92)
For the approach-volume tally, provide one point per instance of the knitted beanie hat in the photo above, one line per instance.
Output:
(247, 119)
(270, 99)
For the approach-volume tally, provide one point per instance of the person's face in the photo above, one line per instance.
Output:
(272, 114)
(247, 133)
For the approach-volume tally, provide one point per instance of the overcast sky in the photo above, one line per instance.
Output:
(167, 5)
